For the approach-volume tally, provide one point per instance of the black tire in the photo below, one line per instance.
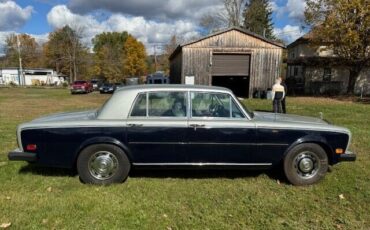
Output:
(305, 164)
(103, 164)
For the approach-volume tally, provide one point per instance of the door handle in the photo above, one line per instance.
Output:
(134, 125)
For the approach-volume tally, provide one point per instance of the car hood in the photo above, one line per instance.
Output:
(69, 116)
(287, 118)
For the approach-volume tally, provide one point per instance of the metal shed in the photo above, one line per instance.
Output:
(233, 58)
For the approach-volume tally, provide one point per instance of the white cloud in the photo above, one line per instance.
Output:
(147, 31)
(293, 8)
(289, 33)
(13, 16)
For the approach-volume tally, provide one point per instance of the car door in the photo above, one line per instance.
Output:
(156, 128)
(219, 132)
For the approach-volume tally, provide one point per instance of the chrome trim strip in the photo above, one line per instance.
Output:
(202, 164)
(205, 143)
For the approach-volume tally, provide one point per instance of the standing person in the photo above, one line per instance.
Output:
(278, 94)
(282, 82)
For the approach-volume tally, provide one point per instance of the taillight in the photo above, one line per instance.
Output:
(31, 147)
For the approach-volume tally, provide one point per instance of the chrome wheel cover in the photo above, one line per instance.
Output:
(103, 165)
(306, 164)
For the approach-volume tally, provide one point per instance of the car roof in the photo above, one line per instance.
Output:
(159, 87)
(119, 104)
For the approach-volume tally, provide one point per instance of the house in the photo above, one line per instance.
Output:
(317, 70)
(234, 58)
(31, 76)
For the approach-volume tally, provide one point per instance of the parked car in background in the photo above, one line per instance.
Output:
(181, 126)
(96, 83)
(107, 88)
(119, 85)
(81, 87)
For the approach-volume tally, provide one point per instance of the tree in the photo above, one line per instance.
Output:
(344, 27)
(109, 55)
(257, 18)
(135, 57)
(234, 11)
(230, 15)
(64, 51)
(29, 51)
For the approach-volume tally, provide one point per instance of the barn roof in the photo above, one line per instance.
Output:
(247, 32)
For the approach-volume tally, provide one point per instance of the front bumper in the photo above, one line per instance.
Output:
(347, 156)
(18, 155)
(78, 91)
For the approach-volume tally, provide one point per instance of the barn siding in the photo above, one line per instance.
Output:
(264, 64)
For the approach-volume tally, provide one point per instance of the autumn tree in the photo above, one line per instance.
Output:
(64, 51)
(109, 55)
(135, 57)
(344, 27)
(29, 50)
(257, 18)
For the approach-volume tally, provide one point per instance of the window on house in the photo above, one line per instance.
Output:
(327, 74)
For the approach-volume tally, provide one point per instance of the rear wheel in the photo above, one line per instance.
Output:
(103, 164)
(305, 164)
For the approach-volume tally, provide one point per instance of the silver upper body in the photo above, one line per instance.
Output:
(116, 112)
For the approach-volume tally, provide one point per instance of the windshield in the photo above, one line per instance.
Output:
(250, 112)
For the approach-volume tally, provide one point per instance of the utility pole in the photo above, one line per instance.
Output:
(21, 79)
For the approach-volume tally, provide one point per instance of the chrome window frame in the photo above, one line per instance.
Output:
(189, 105)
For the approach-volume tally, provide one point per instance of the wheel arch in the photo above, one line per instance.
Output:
(319, 140)
(102, 140)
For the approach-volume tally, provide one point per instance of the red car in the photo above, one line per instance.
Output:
(81, 87)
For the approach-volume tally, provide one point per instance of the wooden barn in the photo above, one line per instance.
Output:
(232, 58)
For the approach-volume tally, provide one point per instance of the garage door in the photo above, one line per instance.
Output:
(230, 64)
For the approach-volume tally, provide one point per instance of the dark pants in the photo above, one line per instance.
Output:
(283, 105)
(276, 105)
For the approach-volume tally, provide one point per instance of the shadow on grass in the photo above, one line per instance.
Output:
(45, 171)
(274, 174)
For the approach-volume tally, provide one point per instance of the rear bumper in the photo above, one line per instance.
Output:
(347, 156)
(18, 155)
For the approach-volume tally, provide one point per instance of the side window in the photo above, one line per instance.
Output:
(210, 104)
(139, 109)
(167, 104)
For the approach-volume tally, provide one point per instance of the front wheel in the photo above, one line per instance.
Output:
(305, 164)
(103, 164)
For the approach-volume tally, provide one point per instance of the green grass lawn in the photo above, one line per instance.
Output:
(40, 198)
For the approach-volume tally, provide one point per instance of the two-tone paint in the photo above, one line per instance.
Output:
(259, 140)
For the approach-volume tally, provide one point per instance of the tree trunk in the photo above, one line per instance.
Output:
(353, 74)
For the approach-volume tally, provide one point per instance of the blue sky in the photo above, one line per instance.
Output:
(151, 21)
